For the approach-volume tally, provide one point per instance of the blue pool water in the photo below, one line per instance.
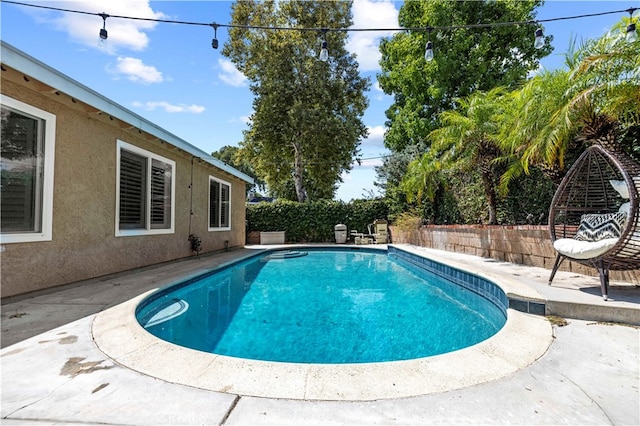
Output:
(321, 306)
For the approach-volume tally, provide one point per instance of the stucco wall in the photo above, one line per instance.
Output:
(84, 244)
(524, 245)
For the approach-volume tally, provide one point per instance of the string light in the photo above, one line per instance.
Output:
(428, 51)
(214, 42)
(539, 41)
(631, 34)
(324, 51)
(103, 30)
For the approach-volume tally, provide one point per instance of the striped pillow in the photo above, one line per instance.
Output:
(596, 227)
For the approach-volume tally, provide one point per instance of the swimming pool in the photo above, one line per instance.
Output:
(325, 306)
(520, 342)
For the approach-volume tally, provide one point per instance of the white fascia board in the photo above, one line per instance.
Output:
(32, 67)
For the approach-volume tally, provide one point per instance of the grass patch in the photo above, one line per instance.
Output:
(559, 321)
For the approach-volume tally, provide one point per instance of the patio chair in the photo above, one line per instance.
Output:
(594, 217)
(361, 238)
(379, 231)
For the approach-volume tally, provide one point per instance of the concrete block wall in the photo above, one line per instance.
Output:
(523, 244)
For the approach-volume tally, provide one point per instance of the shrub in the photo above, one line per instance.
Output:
(314, 221)
(407, 222)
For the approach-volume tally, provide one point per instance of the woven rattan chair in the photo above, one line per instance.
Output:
(586, 189)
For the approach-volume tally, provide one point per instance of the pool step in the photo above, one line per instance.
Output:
(285, 254)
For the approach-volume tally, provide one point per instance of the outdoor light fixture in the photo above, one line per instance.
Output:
(324, 51)
(631, 35)
(103, 30)
(214, 42)
(428, 52)
(539, 42)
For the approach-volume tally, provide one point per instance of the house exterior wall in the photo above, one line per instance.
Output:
(84, 243)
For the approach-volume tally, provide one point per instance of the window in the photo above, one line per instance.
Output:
(26, 172)
(146, 190)
(219, 205)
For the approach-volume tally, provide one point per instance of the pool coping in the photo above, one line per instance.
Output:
(523, 339)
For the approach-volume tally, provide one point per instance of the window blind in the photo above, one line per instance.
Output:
(133, 178)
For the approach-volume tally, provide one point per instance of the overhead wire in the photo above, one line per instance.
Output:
(323, 30)
(630, 10)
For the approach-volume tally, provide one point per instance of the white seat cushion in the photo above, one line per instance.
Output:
(625, 208)
(621, 187)
(583, 249)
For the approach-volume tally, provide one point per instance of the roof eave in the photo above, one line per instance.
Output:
(24, 63)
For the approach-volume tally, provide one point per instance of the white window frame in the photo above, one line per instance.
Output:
(121, 145)
(46, 208)
(222, 182)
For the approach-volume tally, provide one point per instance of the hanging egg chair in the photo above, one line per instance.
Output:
(594, 217)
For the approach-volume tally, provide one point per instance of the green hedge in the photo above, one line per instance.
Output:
(314, 221)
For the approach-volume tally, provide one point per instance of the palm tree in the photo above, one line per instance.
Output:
(535, 129)
(557, 114)
(465, 141)
(422, 178)
(609, 74)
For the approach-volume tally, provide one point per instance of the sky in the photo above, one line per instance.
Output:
(170, 75)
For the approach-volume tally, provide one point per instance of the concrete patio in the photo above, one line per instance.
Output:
(53, 372)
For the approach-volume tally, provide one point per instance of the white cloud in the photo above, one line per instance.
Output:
(378, 94)
(150, 106)
(244, 119)
(84, 29)
(371, 14)
(230, 74)
(135, 70)
(375, 138)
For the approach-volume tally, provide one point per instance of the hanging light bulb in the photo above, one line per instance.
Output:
(632, 35)
(103, 30)
(324, 52)
(539, 42)
(428, 52)
(214, 42)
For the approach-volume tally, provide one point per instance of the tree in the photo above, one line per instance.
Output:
(306, 126)
(466, 141)
(465, 60)
(526, 137)
(390, 174)
(231, 155)
(559, 113)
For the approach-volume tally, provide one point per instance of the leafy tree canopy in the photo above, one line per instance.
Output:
(306, 126)
(231, 155)
(556, 114)
(465, 60)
